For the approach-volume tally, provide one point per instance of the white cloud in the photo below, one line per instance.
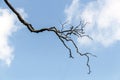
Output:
(103, 16)
(7, 27)
(72, 10)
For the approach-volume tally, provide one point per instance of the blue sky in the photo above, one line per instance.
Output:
(29, 56)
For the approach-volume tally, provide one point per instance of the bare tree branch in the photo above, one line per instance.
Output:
(64, 35)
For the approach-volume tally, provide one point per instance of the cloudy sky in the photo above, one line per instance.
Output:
(29, 56)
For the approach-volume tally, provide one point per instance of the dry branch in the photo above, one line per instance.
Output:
(64, 35)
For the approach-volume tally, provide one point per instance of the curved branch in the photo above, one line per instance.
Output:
(63, 34)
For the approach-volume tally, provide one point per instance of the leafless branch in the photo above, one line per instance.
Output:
(64, 35)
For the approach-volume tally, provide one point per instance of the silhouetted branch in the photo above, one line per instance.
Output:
(63, 34)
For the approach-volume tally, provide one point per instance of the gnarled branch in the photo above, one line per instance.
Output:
(63, 34)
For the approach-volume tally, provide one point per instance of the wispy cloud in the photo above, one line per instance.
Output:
(7, 27)
(103, 17)
(72, 10)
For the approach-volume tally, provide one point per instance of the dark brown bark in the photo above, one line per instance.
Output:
(64, 35)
